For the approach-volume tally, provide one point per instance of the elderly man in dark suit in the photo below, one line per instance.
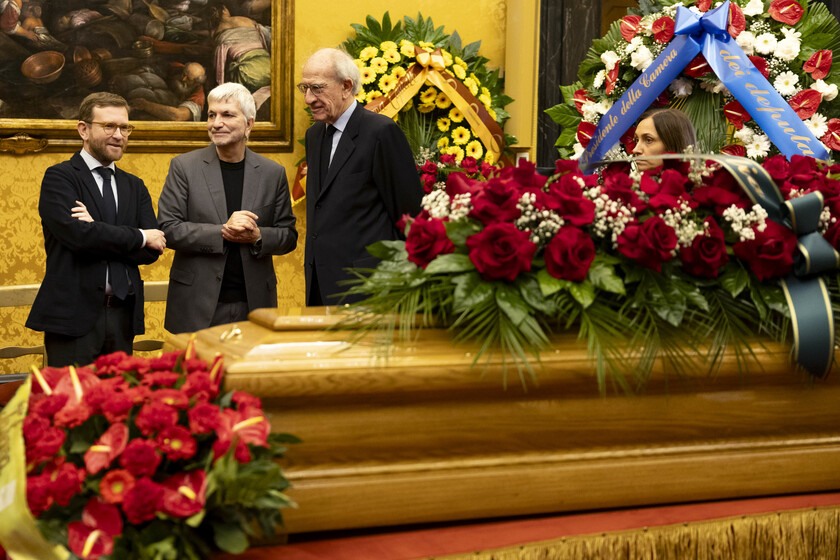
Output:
(361, 176)
(99, 225)
(225, 210)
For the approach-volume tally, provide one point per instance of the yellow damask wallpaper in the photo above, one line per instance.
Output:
(22, 241)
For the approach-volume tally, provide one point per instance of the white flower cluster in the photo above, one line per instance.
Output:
(611, 216)
(825, 220)
(744, 224)
(460, 207)
(436, 203)
(686, 228)
(543, 225)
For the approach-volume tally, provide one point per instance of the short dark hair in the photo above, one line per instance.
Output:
(673, 127)
(99, 99)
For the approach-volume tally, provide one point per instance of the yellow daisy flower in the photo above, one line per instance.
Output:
(359, 64)
(398, 72)
(408, 106)
(485, 91)
(391, 56)
(373, 95)
(428, 96)
(379, 65)
(360, 97)
(475, 79)
(443, 143)
(388, 46)
(443, 124)
(447, 58)
(459, 72)
(471, 86)
(485, 99)
(474, 149)
(387, 83)
(427, 45)
(492, 114)
(461, 135)
(368, 53)
(456, 115)
(426, 107)
(442, 101)
(457, 152)
(407, 48)
(490, 158)
(368, 75)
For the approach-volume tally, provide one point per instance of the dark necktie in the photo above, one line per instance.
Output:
(117, 273)
(326, 148)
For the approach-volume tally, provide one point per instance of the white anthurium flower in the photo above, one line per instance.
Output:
(828, 91)
(786, 84)
(641, 59)
(753, 8)
(746, 40)
(634, 44)
(610, 59)
(787, 49)
(682, 87)
(765, 43)
(817, 125)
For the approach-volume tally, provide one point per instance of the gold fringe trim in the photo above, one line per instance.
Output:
(796, 534)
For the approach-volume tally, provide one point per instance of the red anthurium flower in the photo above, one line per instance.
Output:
(581, 96)
(832, 137)
(627, 139)
(103, 516)
(663, 30)
(734, 150)
(703, 5)
(611, 79)
(93, 536)
(806, 102)
(75, 383)
(697, 67)
(630, 25)
(585, 131)
(737, 21)
(785, 11)
(760, 65)
(251, 426)
(114, 485)
(736, 114)
(184, 494)
(107, 448)
(819, 64)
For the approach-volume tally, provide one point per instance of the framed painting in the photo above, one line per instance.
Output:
(163, 56)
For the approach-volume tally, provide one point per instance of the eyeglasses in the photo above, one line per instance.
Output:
(316, 89)
(111, 128)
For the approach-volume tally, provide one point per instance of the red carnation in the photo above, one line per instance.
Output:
(760, 65)
(819, 64)
(581, 96)
(707, 253)
(165, 361)
(649, 244)
(832, 137)
(585, 131)
(501, 252)
(46, 405)
(115, 484)
(66, 480)
(569, 254)
(116, 406)
(155, 416)
(38, 494)
(736, 114)
(143, 501)
(770, 254)
(806, 102)
(737, 21)
(785, 11)
(697, 67)
(140, 457)
(160, 378)
(204, 418)
(630, 25)
(663, 29)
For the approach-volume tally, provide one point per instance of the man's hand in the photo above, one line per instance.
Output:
(81, 213)
(155, 239)
(241, 227)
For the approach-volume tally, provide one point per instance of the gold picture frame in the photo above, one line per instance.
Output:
(22, 132)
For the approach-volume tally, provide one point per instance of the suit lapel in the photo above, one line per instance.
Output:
(123, 197)
(90, 185)
(251, 181)
(213, 179)
(345, 148)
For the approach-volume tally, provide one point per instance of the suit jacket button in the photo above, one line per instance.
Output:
(314, 236)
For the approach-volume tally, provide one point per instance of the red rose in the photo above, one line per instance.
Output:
(760, 65)
(736, 114)
(469, 164)
(619, 186)
(107, 448)
(805, 103)
(204, 418)
(707, 253)
(770, 254)
(185, 494)
(563, 166)
(176, 443)
(428, 180)
(778, 168)
(140, 457)
(155, 416)
(630, 25)
(143, 501)
(458, 183)
(426, 240)
(819, 64)
(830, 189)
(585, 131)
(524, 177)
(501, 252)
(429, 167)
(663, 30)
(448, 160)
(721, 192)
(832, 137)
(38, 494)
(569, 254)
(785, 11)
(737, 21)
(566, 198)
(115, 484)
(488, 169)
(649, 244)
(668, 192)
(496, 202)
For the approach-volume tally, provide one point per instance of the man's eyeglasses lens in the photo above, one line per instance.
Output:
(316, 89)
(111, 128)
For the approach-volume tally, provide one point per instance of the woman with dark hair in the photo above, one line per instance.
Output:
(662, 131)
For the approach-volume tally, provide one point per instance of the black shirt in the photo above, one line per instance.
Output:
(233, 281)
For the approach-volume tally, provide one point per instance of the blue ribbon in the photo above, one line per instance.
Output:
(706, 33)
(805, 292)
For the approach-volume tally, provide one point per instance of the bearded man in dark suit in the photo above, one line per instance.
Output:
(361, 176)
(99, 225)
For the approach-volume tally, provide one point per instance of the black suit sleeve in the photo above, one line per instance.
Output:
(145, 218)
(395, 174)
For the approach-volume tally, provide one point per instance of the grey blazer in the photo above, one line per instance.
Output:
(191, 211)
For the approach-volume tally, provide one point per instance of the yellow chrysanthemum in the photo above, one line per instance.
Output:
(407, 48)
(490, 158)
(426, 45)
(360, 97)
(443, 143)
(460, 62)
(442, 101)
(358, 62)
(372, 95)
(475, 79)
(447, 58)
(368, 53)
(474, 149)
(391, 56)
(492, 114)
(485, 99)
(443, 124)
(408, 106)
(428, 95)
(387, 83)
(471, 86)
(368, 75)
(398, 72)
(459, 72)
(461, 135)
(457, 152)
(456, 115)
(485, 91)
(388, 46)
(426, 107)
(379, 65)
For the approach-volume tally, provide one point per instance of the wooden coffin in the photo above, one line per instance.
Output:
(426, 437)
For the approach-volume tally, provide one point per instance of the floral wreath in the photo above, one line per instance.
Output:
(791, 43)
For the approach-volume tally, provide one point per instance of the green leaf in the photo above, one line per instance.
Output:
(387, 250)
(458, 231)
(568, 92)
(230, 538)
(512, 304)
(604, 277)
(734, 279)
(583, 292)
(470, 291)
(564, 115)
(549, 284)
(453, 262)
(529, 288)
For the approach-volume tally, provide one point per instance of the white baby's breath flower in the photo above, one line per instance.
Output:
(758, 147)
(787, 49)
(641, 58)
(753, 8)
(817, 125)
(746, 40)
(764, 43)
(598, 81)
(828, 91)
(682, 87)
(786, 83)
(610, 59)
(590, 111)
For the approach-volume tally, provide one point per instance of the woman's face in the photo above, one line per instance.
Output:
(648, 143)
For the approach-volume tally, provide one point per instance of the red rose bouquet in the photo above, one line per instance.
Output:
(643, 265)
(146, 458)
